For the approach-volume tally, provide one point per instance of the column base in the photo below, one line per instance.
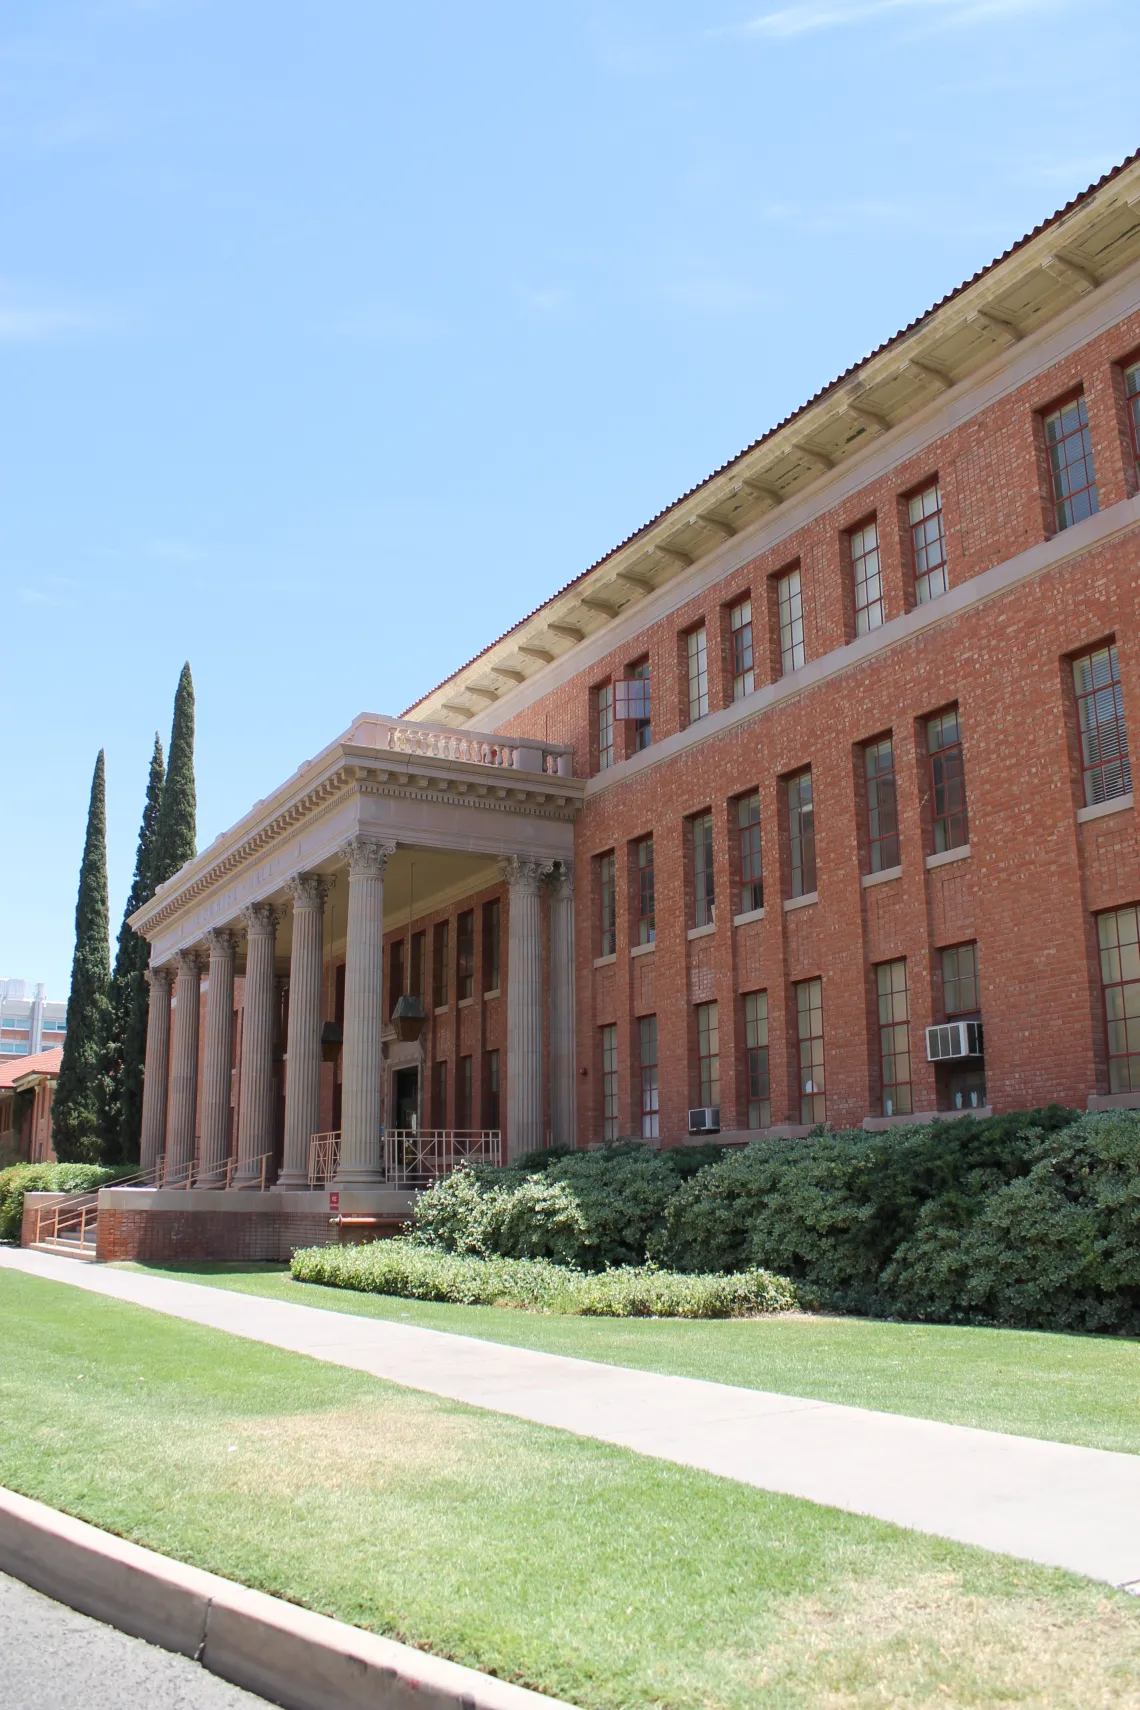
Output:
(362, 1178)
(292, 1179)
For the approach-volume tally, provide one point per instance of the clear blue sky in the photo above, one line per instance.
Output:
(333, 337)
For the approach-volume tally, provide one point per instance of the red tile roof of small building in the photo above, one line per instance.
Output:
(13, 1069)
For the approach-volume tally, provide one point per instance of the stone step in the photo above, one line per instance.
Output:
(66, 1249)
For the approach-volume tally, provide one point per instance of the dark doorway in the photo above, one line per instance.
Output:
(406, 1098)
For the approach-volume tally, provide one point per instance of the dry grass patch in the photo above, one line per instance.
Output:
(372, 1447)
(931, 1641)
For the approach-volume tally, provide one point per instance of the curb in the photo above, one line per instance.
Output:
(287, 1654)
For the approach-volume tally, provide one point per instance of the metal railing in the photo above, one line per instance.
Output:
(219, 1177)
(412, 1157)
(67, 1223)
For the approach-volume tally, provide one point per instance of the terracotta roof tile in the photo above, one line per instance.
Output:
(13, 1069)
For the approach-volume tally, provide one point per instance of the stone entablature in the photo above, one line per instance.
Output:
(415, 785)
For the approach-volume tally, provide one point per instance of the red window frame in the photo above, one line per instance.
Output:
(927, 541)
(1131, 373)
(646, 912)
(1069, 456)
(491, 1089)
(949, 817)
(439, 1095)
(1118, 938)
(1106, 770)
(650, 1089)
(809, 1036)
(607, 1047)
(892, 992)
(756, 1058)
(881, 791)
(751, 853)
(607, 904)
(465, 954)
(708, 1055)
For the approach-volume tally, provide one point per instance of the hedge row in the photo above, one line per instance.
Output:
(1029, 1220)
(20, 1179)
(417, 1272)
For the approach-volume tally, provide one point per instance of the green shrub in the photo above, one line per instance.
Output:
(410, 1270)
(592, 1209)
(20, 1179)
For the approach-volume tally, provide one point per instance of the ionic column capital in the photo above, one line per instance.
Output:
(308, 890)
(260, 919)
(220, 942)
(366, 857)
(524, 874)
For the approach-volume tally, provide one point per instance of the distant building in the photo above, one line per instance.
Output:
(27, 1092)
(29, 1024)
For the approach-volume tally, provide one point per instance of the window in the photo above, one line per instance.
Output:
(491, 1090)
(492, 939)
(960, 989)
(463, 1090)
(1132, 394)
(708, 1055)
(809, 1030)
(894, 1037)
(740, 626)
(439, 1095)
(1068, 450)
(801, 834)
(704, 892)
(882, 804)
(465, 954)
(1119, 935)
(646, 916)
(947, 781)
(650, 1103)
(605, 702)
(632, 703)
(791, 613)
(868, 577)
(416, 983)
(751, 864)
(756, 1047)
(928, 543)
(440, 948)
(608, 1044)
(696, 643)
(607, 904)
(395, 974)
(1105, 766)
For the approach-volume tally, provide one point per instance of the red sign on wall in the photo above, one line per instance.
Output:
(334, 1202)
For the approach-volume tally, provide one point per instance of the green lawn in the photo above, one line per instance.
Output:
(1073, 1389)
(610, 1579)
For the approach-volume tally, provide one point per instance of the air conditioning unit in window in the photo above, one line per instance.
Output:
(706, 1120)
(954, 1039)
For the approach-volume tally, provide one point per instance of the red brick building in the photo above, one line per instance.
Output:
(811, 802)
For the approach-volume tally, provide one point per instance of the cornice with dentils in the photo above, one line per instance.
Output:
(1082, 246)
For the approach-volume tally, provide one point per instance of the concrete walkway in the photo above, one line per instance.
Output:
(1047, 1502)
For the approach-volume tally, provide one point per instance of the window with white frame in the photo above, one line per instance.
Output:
(704, 887)
(696, 644)
(605, 701)
(650, 1097)
(609, 1053)
(790, 606)
(868, 577)
(756, 1062)
(928, 543)
(740, 627)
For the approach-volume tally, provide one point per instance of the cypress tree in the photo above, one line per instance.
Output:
(80, 1093)
(130, 994)
(175, 838)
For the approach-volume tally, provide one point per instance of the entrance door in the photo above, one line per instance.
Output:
(406, 1098)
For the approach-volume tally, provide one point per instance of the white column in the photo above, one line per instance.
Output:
(562, 1065)
(217, 1062)
(524, 1003)
(303, 1050)
(361, 1084)
(183, 1109)
(255, 1098)
(156, 1072)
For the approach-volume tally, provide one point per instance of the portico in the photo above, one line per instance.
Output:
(269, 1006)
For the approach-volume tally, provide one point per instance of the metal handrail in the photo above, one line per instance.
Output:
(412, 1156)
